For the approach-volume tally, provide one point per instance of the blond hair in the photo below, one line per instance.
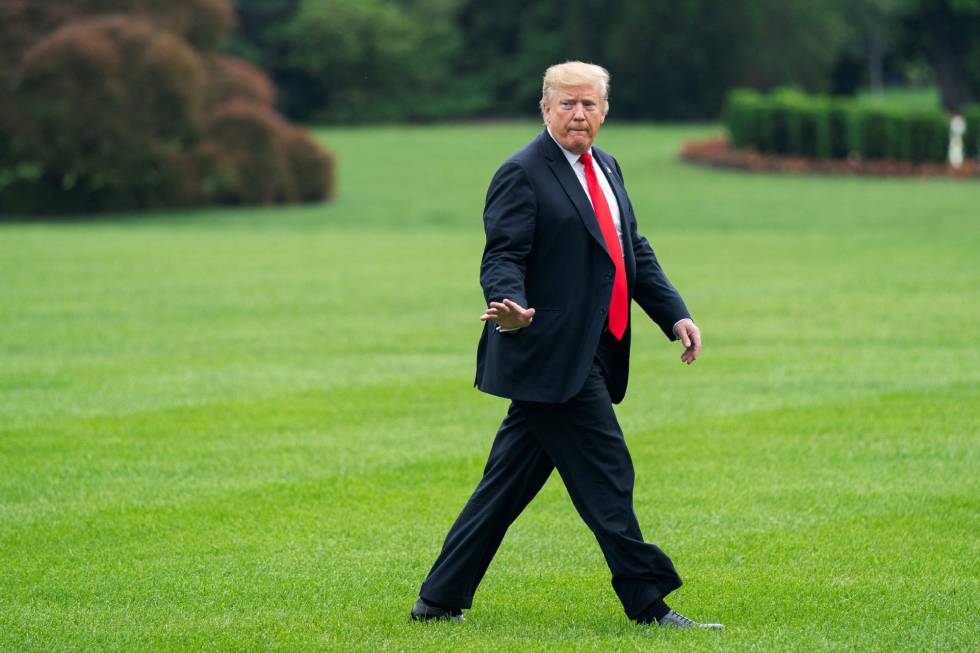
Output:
(575, 73)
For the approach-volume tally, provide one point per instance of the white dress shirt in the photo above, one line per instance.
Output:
(579, 168)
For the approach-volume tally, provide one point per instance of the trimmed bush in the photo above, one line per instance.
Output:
(789, 122)
(971, 139)
(784, 121)
(928, 137)
(897, 141)
(869, 132)
(740, 116)
(839, 115)
(765, 140)
(808, 126)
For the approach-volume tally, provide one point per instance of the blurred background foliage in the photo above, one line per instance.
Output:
(130, 104)
(424, 60)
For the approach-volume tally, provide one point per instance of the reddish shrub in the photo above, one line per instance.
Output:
(204, 23)
(104, 104)
(23, 22)
(312, 167)
(252, 162)
(235, 79)
(111, 112)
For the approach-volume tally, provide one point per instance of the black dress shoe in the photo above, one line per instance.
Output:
(423, 611)
(676, 620)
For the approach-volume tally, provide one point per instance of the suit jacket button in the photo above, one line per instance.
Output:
(603, 310)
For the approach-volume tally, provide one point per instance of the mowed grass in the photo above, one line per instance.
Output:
(250, 429)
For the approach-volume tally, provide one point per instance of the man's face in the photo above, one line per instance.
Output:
(574, 115)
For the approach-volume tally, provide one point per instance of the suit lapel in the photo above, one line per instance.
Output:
(619, 190)
(573, 189)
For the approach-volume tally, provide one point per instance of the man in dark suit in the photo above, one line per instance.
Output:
(562, 261)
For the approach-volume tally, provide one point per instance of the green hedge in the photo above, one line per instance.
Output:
(787, 121)
(740, 115)
(971, 140)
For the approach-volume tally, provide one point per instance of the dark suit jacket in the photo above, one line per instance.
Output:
(545, 250)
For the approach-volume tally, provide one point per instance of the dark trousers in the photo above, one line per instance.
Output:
(580, 438)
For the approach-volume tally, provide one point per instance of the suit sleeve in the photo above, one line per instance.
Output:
(508, 219)
(652, 290)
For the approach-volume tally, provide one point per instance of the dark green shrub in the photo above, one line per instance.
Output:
(869, 132)
(809, 127)
(783, 116)
(765, 140)
(740, 117)
(789, 122)
(928, 137)
(971, 139)
(840, 114)
(897, 142)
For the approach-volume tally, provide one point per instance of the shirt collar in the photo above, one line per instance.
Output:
(571, 156)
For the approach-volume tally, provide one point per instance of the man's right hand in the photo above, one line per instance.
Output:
(508, 315)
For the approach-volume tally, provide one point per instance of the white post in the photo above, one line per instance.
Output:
(957, 126)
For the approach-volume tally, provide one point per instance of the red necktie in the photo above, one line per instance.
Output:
(619, 303)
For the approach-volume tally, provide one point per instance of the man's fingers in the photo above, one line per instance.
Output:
(690, 336)
(514, 306)
(508, 314)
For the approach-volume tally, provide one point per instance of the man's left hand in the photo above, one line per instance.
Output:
(690, 337)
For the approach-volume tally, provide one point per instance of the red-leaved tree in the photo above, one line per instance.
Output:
(126, 104)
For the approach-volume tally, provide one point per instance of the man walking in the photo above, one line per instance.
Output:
(562, 262)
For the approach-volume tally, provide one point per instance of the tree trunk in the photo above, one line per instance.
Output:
(876, 55)
(947, 55)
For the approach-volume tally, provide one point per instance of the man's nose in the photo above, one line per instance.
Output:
(579, 112)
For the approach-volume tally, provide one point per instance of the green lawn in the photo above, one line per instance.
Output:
(249, 429)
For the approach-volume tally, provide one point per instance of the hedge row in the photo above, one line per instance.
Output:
(789, 122)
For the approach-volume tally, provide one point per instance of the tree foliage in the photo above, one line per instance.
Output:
(947, 33)
(423, 59)
(132, 109)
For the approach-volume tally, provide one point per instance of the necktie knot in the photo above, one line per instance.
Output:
(586, 159)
